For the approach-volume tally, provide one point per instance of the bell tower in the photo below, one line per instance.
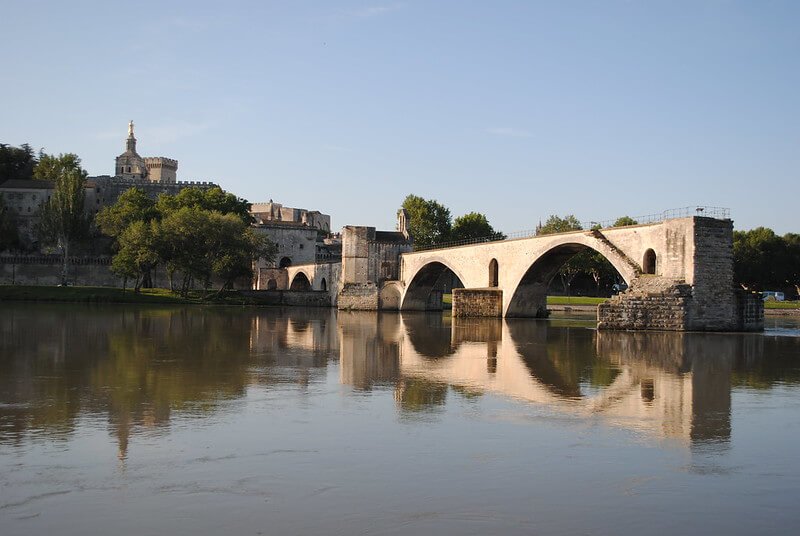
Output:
(129, 165)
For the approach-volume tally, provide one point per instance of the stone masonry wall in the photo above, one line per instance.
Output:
(358, 297)
(651, 303)
(713, 304)
(481, 302)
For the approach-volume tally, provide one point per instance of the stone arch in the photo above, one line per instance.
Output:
(323, 285)
(529, 298)
(432, 280)
(300, 282)
(389, 297)
(285, 262)
(272, 284)
(649, 262)
(493, 273)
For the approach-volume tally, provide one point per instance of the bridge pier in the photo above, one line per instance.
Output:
(479, 302)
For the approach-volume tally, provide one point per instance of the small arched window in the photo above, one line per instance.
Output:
(285, 262)
(493, 273)
(649, 262)
(272, 284)
(323, 285)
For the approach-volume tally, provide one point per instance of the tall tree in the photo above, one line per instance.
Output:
(138, 253)
(429, 221)
(52, 168)
(473, 225)
(16, 162)
(62, 221)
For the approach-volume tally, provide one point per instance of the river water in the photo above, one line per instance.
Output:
(131, 420)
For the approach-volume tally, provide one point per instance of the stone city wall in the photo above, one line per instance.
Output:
(45, 270)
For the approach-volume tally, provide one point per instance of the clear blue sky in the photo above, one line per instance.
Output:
(514, 109)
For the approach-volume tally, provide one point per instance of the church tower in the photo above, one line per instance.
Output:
(129, 164)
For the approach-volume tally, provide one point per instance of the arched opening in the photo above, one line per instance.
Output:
(300, 282)
(285, 262)
(389, 298)
(649, 262)
(323, 285)
(430, 287)
(272, 284)
(493, 273)
(566, 270)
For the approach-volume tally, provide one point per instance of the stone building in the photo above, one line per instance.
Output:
(132, 167)
(270, 212)
(154, 175)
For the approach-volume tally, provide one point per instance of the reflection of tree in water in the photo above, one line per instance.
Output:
(137, 365)
(420, 396)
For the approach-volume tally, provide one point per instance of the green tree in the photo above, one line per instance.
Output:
(16, 162)
(625, 221)
(473, 225)
(759, 258)
(132, 205)
(138, 253)
(556, 224)
(236, 246)
(429, 222)
(62, 221)
(52, 168)
(213, 199)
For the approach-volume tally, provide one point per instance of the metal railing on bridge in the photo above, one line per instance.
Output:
(719, 213)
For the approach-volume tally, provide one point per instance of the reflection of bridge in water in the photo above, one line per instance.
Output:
(672, 385)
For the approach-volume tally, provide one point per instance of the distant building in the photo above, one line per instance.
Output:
(131, 166)
(270, 212)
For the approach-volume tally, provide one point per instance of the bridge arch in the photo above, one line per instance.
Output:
(300, 282)
(528, 297)
(425, 287)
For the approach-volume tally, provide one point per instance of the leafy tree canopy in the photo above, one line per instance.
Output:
(429, 221)
(556, 224)
(52, 168)
(16, 162)
(624, 221)
(132, 205)
(207, 199)
(473, 225)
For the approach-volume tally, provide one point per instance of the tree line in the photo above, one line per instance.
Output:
(430, 223)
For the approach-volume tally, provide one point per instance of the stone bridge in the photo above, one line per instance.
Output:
(679, 273)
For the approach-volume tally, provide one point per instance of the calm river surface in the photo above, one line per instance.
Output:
(131, 420)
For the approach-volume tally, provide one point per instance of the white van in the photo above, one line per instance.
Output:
(772, 295)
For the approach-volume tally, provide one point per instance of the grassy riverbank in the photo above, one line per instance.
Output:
(113, 295)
